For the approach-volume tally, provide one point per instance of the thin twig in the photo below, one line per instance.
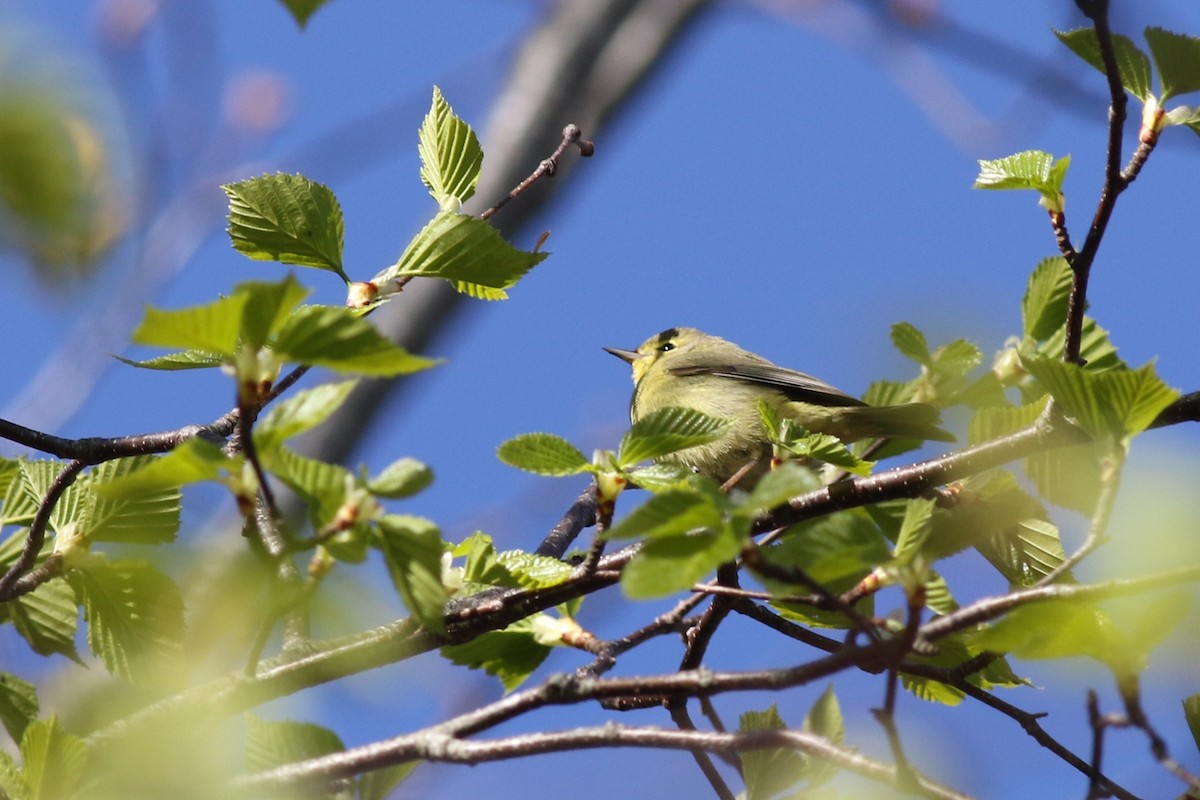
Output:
(571, 135)
(37, 531)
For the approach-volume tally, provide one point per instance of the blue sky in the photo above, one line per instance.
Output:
(795, 178)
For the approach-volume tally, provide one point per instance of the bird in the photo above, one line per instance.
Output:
(688, 368)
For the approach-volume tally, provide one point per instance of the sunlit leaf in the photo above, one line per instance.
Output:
(337, 338)
(450, 155)
(1177, 57)
(18, 704)
(466, 251)
(543, 454)
(301, 411)
(668, 564)
(1044, 308)
(769, 771)
(274, 744)
(511, 654)
(404, 477)
(1132, 64)
(211, 328)
(667, 430)
(286, 218)
(412, 548)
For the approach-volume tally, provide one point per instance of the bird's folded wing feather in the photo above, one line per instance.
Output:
(796, 385)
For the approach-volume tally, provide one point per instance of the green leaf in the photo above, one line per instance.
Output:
(71, 505)
(450, 155)
(268, 305)
(191, 462)
(1191, 712)
(1044, 308)
(769, 771)
(511, 654)
(47, 619)
(667, 430)
(302, 10)
(1177, 57)
(802, 444)
(188, 359)
(668, 513)
(776, 488)
(412, 549)
(1118, 403)
(339, 339)
(1031, 169)
(305, 409)
(911, 343)
(18, 705)
(915, 528)
(825, 720)
(1095, 347)
(466, 251)
(286, 218)
(147, 517)
(1132, 64)
(956, 358)
(404, 477)
(1051, 629)
(668, 564)
(322, 486)
(533, 571)
(133, 611)
(213, 328)
(543, 454)
(275, 744)
(54, 760)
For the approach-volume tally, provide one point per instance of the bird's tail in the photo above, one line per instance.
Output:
(908, 421)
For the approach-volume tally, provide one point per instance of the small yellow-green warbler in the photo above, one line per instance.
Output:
(686, 367)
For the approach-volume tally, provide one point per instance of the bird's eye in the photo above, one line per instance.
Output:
(665, 346)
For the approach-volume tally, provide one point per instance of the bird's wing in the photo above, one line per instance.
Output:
(796, 385)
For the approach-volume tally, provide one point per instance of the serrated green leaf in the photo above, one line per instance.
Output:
(1052, 629)
(1132, 64)
(450, 155)
(274, 744)
(533, 571)
(769, 771)
(937, 595)
(147, 517)
(1031, 169)
(1044, 307)
(957, 358)
(268, 304)
(286, 218)
(1177, 57)
(466, 251)
(661, 476)
(1067, 476)
(47, 618)
(668, 513)
(412, 549)
(133, 612)
(914, 529)
(511, 654)
(1191, 713)
(667, 430)
(191, 462)
(322, 486)
(821, 447)
(53, 760)
(404, 477)
(212, 328)
(825, 720)
(668, 564)
(543, 454)
(339, 339)
(72, 503)
(889, 393)
(302, 411)
(188, 359)
(1115, 403)
(18, 704)
(302, 10)
(776, 488)
(911, 343)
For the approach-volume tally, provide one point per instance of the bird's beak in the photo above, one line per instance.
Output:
(628, 356)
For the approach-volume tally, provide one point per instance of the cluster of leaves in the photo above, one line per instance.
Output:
(132, 609)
